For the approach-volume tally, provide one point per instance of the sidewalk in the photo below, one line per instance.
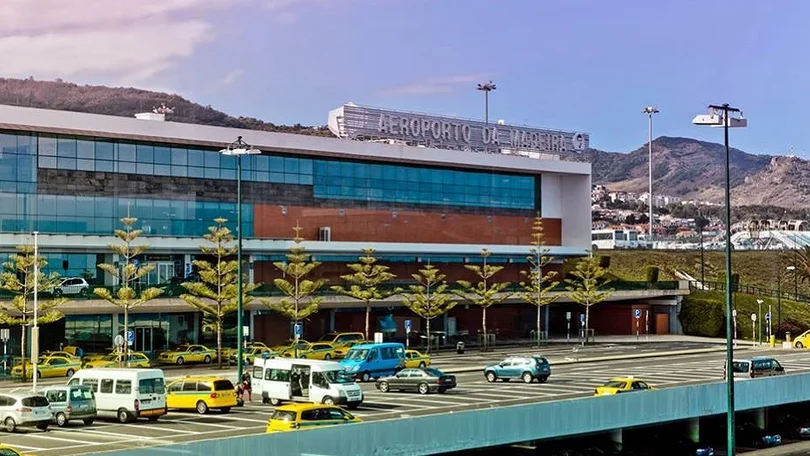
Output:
(791, 449)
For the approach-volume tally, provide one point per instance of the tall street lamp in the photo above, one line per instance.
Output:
(239, 148)
(486, 88)
(35, 329)
(719, 117)
(650, 110)
(792, 270)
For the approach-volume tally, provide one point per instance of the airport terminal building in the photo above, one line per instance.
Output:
(419, 189)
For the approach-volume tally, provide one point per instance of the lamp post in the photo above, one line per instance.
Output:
(239, 148)
(35, 329)
(792, 270)
(650, 110)
(759, 319)
(486, 88)
(719, 117)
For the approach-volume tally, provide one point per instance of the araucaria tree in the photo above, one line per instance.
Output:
(18, 279)
(429, 298)
(587, 286)
(486, 292)
(216, 294)
(300, 300)
(364, 282)
(127, 274)
(537, 287)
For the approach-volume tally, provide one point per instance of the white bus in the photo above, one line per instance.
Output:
(614, 239)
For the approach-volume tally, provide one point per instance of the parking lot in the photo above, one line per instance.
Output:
(567, 381)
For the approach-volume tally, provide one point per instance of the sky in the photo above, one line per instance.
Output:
(579, 65)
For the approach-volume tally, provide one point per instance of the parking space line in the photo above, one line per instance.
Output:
(235, 418)
(209, 424)
(105, 433)
(159, 428)
(48, 436)
(27, 448)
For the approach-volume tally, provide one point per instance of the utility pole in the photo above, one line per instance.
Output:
(650, 110)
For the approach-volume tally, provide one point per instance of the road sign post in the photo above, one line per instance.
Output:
(407, 333)
(647, 324)
(130, 337)
(582, 334)
(568, 327)
(734, 318)
(637, 314)
(118, 341)
(754, 327)
(5, 334)
(768, 323)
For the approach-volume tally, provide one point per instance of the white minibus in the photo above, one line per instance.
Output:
(304, 380)
(126, 394)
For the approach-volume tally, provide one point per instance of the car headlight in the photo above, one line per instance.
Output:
(342, 393)
(355, 368)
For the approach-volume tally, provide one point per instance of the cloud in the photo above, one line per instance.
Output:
(436, 85)
(287, 11)
(232, 76)
(103, 39)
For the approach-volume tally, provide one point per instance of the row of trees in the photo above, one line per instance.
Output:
(216, 292)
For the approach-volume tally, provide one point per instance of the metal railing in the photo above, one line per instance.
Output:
(749, 289)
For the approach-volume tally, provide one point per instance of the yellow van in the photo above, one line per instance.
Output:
(201, 394)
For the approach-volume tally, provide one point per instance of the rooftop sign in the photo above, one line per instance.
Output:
(363, 123)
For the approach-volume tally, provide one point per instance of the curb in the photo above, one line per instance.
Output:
(697, 351)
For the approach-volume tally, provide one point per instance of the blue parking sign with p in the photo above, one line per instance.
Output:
(297, 330)
(582, 318)
(638, 313)
(407, 326)
(130, 336)
(768, 316)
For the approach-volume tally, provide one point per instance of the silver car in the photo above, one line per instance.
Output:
(72, 402)
(24, 409)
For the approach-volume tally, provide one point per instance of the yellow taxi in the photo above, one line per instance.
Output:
(415, 358)
(319, 350)
(285, 345)
(97, 356)
(341, 339)
(802, 340)
(307, 416)
(9, 451)
(289, 351)
(49, 366)
(250, 354)
(63, 354)
(622, 385)
(135, 359)
(188, 354)
(201, 394)
(230, 352)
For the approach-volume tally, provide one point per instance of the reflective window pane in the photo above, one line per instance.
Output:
(85, 149)
(66, 147)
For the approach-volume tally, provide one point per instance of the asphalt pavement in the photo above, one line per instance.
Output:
(569, 379)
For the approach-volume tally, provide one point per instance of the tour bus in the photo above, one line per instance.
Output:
(304, 380)
(614, 239)
(127, 394)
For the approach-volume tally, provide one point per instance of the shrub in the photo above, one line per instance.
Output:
(652, 273)
(604, 261)
(702, 315)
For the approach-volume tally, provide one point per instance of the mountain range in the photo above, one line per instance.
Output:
(695, 170)
(682, 167)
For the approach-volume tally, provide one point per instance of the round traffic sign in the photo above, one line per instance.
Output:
(753, 317)
(119, 340)
(734, 313)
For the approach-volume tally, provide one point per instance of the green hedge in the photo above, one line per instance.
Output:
(652, 273)
(702, 315)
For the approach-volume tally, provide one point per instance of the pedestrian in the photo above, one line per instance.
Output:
(246, 386)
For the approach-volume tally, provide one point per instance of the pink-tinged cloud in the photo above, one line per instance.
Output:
(436, 85)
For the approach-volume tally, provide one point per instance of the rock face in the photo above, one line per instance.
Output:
(693, 169)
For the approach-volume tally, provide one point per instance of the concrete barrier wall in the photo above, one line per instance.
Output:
(503, 425)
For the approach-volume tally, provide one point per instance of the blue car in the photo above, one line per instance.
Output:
(526, 368)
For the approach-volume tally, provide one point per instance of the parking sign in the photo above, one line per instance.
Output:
(298, 330)
(407, 326)
(638, 313)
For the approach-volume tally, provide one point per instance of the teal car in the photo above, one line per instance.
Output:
(528, 369)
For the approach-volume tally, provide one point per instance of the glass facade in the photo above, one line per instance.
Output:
(23, 208)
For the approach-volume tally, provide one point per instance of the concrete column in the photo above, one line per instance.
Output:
(197, 327)
(616, 437)
(759, 415)
(252, 324)
(332, 320)
(116, 328)
(546, 312)
(694, 429)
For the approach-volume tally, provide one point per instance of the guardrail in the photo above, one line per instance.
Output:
(748, 289)
(265, 290)
(493, 426)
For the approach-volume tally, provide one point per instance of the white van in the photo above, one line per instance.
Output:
(127, 394)
(304, 380)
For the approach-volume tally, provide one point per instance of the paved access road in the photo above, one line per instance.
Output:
(567, 381)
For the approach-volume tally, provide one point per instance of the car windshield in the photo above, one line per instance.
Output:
(615, 384)
(338, 377)
(357, 355)
(109, 358)
(328, 337)
(151, 386)
(434, 372)
(35, 401)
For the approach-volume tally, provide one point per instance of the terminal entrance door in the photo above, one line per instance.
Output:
(143, 339)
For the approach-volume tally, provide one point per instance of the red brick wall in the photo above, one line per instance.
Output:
(363, 225)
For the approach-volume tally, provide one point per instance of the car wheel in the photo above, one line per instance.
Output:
(424, 388)
(225, 409)
(123, 416)
(69, 373)
(43, 426)
(384, 387)
(799, 345)
(83, 292)
(57, 292)
(180, 361)
(327, 400)
(327, 356)
(527, 377)
(207, 359)
(61, 419)
(275, 402)
(366, 376)
(88, 421)
(422, 365)
(491, 377)
(202, 407)
(10, 424)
